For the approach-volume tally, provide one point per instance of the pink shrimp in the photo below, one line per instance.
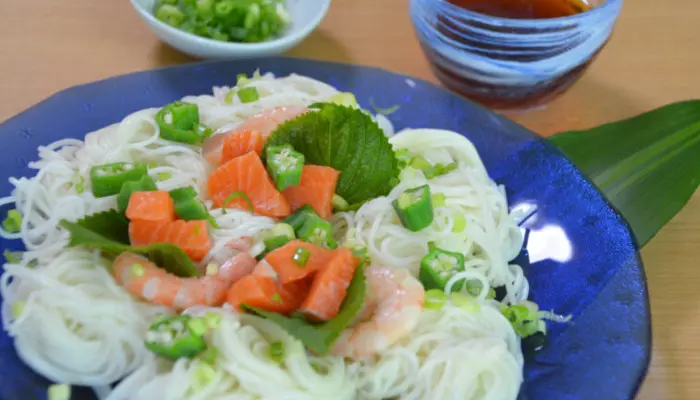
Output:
(392, 309)
(265, 269)
(243, 243)
(144, 279)
(232, 248)
(264, 122)
(237, 267)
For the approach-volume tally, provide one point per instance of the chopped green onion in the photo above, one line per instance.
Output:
(414, 207)
(284, 165)
(465, 302)
(339, 203)
(203, 375)
(491, 294)
(527, 328)
(212, 269)
(438, 199)
(404, 158)
(58, 392)
(252, 17)
(383, 111)
(12, 257)
(474, 287)
(460, 223)
(360, 251)
(17, 309)
(301, 257)
(171, 15)
(242, 79)
(203, 132)
(434, 299)
(344, 99)
(212, 319)
(532, 307)
(278, 236)
(431, 170)
(79, 183)
(209, 355)
(238, 195)
(276, 298)
(163, 176)
(227, 20)
(516, 313)
(439, 170)
(228, 99)
(13, 221)
(276, 352)
(248, 95)
(438, 266)
(420, 163)
(198, 326)
(205, 8)
(224, 7)
(107, 179)
(138, 269)
(283, 229)
(174, 338)
(524, 318)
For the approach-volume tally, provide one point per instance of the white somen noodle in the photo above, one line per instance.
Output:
(73, 323)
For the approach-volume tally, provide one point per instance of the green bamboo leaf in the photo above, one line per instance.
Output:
(647, 166)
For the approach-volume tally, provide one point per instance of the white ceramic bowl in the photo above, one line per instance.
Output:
(306, 15)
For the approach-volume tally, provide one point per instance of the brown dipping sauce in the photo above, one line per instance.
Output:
(509, 97)
(524, 9)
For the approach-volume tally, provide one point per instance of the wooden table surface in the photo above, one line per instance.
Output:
(653, 59)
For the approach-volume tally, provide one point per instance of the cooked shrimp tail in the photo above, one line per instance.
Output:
(392, 308)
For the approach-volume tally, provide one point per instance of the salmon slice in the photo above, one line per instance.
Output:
(316, 189)
(330, 285)
(282, 261)
(268, 120)
(212, 148)
(264, 122)
(266, 293)
(246, 174)
(238, 143)
(191, 236)
(151, 206)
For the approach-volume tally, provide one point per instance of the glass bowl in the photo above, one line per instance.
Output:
(510, 64)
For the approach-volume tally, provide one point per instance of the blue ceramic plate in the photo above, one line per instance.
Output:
(584, 259)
